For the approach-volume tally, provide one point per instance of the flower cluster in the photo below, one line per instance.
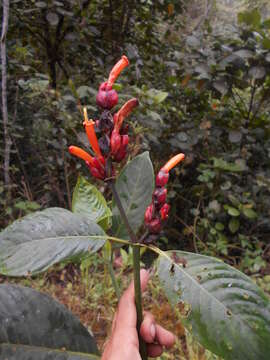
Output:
(157, 212)
(113, 136)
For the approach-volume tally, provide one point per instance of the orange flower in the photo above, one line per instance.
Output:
(163, 174)
(96, 164)
(173, 162)
(116, 70)
(80, 153)
(89, 126)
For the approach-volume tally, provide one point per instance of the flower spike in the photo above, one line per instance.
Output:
(173, 162)
(91, 134)
(116, 70)
(80, 153)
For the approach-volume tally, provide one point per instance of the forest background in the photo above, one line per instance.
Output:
(201, 70)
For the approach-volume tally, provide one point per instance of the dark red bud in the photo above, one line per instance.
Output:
(107, 97)
(154, 226)
(115, 142)
(99, 163)
(106, 123)
(121, 154)
(160, 195)
(162, 178)
(104, 144)
(164, 211)
(125, 140)
(148, 215)
(97, 173)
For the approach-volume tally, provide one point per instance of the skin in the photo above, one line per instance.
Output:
(124, 343)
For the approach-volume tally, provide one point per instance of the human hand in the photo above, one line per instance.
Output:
(124, 343)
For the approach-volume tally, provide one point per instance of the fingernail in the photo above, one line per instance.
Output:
(153, 331)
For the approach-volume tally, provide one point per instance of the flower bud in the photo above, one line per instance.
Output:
(162, 178)
(125, 140)
(107, 97)
(97, 173)
(115, 142)
(149, 212)
(106, 123)
(104, 144)
(99, 163)
(160, 195)
(164, 211)
(154, 226)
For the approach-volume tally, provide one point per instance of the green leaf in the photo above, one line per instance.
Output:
(41, 4)
(249, 213)
(266, 43)
(160, 97)
(135, 186)
(227, 312)
(37, 241)
(88, 200)
(23, 352)
(32, 321)
(234, 225)
(219, 226)
(226, 166)
(252, 18)
(232, 211)
(244, 53)
(157, 96)
(257, 72)
(52, 18)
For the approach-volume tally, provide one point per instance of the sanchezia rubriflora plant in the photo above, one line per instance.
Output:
(223, 308)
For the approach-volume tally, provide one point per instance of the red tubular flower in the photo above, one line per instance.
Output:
(163, 175)
(96, 164)
(148, 216)
(160, 195)
(80, 153)
(162, 178)
(115, 142)
(155, 226)
(116, 70)
(125, 110)
(158, 211)
(107, 97)
(91, 134)
(164, 211)
(173, 162)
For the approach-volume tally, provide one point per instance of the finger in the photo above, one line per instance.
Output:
(126, 314)
(148, 329)
(164, 337)
(154, 350)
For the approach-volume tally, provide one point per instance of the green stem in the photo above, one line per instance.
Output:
(136, 268)
(138, 298)
(114, 282)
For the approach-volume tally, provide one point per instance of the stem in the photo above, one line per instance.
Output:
(138, 298)
(136, 269)
(111, 271)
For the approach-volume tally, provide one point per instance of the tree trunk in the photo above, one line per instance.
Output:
(7, 139)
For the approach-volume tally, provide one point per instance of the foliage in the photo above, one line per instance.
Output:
(205, 94)
(225, 87)
(25, 323)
